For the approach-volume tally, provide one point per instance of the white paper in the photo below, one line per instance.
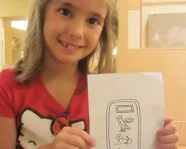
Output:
(126, 110)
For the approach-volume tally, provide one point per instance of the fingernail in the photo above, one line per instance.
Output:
(172, 118)
(93, 142)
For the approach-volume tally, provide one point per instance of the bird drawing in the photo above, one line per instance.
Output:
(123, 123)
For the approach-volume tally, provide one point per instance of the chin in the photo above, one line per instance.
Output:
(68, 59)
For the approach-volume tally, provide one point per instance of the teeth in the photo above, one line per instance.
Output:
(69, 46)
(65, 44)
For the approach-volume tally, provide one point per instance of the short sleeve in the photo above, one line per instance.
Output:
(6, 101)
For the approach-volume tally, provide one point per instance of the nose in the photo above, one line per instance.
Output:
(76, 29)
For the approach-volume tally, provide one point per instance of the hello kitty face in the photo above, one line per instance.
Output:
(36, 130)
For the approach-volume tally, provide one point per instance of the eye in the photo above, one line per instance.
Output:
(93, 21)
(65, 12)
(34, 143)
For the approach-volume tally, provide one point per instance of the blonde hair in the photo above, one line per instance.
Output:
(31, 63)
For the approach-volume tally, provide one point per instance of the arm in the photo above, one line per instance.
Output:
(7, 133)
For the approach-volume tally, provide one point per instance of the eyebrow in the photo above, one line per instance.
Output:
(58, 2)
(70, 5)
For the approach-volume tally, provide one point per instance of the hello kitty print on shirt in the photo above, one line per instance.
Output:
(37, 130)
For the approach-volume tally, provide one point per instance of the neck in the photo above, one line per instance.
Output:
(62, 71)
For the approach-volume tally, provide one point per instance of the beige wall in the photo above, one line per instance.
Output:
(171, 63)
(1, 43)
(147, 8)
(13, 8)
(7, 41)
(163, 1)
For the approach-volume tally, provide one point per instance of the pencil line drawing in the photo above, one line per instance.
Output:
(123, 123)
(128, 108)
(122, 140)
(127, 114)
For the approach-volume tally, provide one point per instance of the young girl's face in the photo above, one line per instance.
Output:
(72, 28)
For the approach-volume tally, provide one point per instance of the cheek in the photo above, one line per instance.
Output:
(94, 38)
(52, 29)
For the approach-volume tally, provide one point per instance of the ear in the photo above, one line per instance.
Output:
(28, 117)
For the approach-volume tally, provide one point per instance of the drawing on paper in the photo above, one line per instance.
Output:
(124, 108)
(122, 140)
(123, 124)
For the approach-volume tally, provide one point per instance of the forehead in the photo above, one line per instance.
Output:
(86, 5)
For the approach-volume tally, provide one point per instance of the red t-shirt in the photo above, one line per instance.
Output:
(35, 110)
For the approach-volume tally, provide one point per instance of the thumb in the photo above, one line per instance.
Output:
(86, 137)
(91, 141)
(168, 120)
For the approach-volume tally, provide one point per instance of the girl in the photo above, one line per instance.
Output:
(43, 100)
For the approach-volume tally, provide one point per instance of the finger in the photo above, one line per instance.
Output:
(60, 142)
(168, 120)
(84, 135)
(166, 146)
(67, 146)
(75, 141)
(167, 130)
(169, 138)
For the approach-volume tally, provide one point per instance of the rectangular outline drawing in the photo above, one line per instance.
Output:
(124, 111)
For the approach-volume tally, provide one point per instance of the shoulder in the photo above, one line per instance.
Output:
(7, 81)
(8, 76)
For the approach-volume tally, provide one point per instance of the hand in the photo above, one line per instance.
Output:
(72, 138)
(167, 137)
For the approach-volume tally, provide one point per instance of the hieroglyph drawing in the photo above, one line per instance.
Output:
(124, 122)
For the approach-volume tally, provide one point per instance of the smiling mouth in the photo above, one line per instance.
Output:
(69, 46)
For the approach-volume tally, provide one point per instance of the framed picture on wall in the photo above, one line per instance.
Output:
(166, 30)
